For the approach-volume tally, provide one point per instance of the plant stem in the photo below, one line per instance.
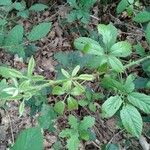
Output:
(136, 62)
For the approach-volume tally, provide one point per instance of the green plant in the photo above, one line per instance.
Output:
(106, 51)
(127, 5)
(80, 10)
(128, 101)
(79, 131)
(15, 40)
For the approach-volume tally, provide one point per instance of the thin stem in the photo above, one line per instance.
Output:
(136, 62)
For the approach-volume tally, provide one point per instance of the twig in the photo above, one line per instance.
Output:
(11, 129)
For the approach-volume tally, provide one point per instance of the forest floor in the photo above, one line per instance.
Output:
(59, 39)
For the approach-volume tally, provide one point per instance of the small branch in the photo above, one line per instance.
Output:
(136, 62)
(144, 144)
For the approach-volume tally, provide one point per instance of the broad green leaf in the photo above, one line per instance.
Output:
(5, 2)
(132, 120)
(15, 36)
(47, 117)
(92, 107)
(140, 49)
(88, 46)
(19, 6)
(29, 139)
(109, 82)
(58, 90)
(39, 31)
(72, 3)
(142, 17)
(140, 100)
(75, 71)
(78, 89)
(147, 33)
(131, 1)
(129, 84)
(111, 106)
(67, 85)
(23, 14)
(73, 122)
(73, 142)
(2, 22)
(72, 103)
(110, 147)
(87, 4)
(122, 6)
(115, 64)
(31, 66)
(59, 107)
(83, 102)
(38, 7)
(121, 49)
(86, 123)
(14, 39)
(109, 34)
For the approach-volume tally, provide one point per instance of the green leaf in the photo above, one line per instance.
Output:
(21, 108)
(115, 63)
(19, 6)
(83, 103)
(14, 39)
(47, 117)
(142, 17)
(88, 46)
(73, 142)
(10, 73)
(121, 49)
(147, 33)
(86, 77)
(3, 22)
(140, 49)
(86, 123)
(31, 66)
(65, 73)
(23, 14)
(73, 122)
(39, 31)
(5, 2)
(75, 71)
(77, 90)
(58, 90)
(109, 34)
(72, 3)
(87, 4)
(122, 6)
(15, 36)
(111, 106)
(132, 120)
(129, 84)
(59, 107)
(72, 103)
(140, 100)
(38, 7)
(24, 139)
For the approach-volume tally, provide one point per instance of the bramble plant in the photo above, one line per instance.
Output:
(80, 10)
(15, 41)
(107, 51)
(105, 56)
(128, 6)
(80, 130)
